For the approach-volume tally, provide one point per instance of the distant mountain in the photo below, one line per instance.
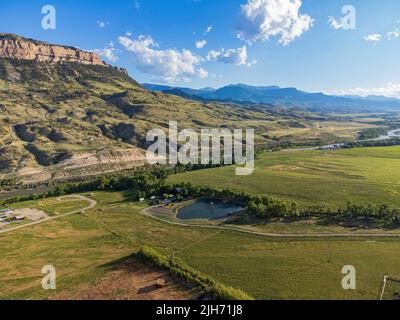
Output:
(284, 97)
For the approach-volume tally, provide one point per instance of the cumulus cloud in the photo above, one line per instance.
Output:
(168, 65)
(108, 52)
(390, 90)
(374, 38)
(393, 34)
(201, 44)
(231, 56)
(335, 23)
(263, 19)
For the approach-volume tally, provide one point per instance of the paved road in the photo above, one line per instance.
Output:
(147, 213)
(92, 203)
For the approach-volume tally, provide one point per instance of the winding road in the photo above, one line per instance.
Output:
(147, 212)
(92, 204)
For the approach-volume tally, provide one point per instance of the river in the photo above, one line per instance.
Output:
(391, 134)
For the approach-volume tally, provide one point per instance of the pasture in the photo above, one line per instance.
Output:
(83, 247)
(314, 177)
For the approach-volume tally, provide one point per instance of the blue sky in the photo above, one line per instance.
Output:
(156, 40)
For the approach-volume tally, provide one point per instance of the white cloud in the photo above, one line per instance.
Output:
(334, 23)
(201, 44)
(168, 65)
(102, 24)
(231, 56)
(108, 52)
(393, 34)
(208, 30)
(374, 38)
(390, 90)
(263, 19)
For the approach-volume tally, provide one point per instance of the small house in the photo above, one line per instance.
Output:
(19, 217)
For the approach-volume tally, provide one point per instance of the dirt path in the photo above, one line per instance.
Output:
(92, 203)
(148, 213)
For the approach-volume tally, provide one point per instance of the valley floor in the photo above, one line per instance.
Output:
(83, 247)
(362, 175)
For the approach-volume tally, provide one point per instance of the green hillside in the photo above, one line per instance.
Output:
(54, 112)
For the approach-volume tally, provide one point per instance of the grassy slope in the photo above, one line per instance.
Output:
(266, 268)
(332, 177)
(69, 108)
(83, 106)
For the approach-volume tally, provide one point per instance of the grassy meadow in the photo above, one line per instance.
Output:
(83, 247)
(52, 206)
(314, 177)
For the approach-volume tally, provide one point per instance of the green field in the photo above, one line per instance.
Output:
(52, 206)
(314, 177)
(81, 247)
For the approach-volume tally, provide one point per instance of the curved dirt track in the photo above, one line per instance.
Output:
(92, 203)
(147, 212)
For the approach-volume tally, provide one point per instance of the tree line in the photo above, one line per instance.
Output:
(148, 183)
(372, 133)
(373, 143)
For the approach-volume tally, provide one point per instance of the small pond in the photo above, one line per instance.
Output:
(208, 209)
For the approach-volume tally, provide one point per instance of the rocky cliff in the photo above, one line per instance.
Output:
(12, 46)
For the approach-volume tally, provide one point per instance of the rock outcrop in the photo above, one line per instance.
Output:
(12, 46)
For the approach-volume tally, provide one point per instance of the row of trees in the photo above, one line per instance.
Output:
(266, 207)
(149, 183)
(178, 268)
(373, 143)
(372, 133)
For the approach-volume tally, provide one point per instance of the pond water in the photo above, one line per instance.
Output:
(208, 209)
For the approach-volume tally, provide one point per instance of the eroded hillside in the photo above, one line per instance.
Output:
(57, 117)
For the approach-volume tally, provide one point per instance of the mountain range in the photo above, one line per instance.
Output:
(287, 97)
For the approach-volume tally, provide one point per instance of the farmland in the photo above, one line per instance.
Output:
(314, 177)
(83, 247)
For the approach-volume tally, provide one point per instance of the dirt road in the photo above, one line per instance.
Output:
(147, 212)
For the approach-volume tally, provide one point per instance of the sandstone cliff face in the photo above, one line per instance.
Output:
(20, 48)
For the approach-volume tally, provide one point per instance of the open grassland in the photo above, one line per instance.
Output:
(52, 206)
(314, 177)
(84, 247)
(342, 130)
